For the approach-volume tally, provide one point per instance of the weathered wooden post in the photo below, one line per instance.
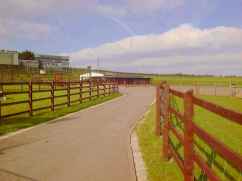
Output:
(1, 99)
(188, 136)
(158, 110)
(98, 94)
(1, 108)
(104, 88)
(81, 91)
(90, 90)
(30, 98)
(69, 93)
(109, 88)
(165, 125)
(52, 85)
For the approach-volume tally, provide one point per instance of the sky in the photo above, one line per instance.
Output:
(148, 36)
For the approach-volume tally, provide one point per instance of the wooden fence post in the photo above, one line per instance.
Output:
(117, 86)
(98, 89)
(109, 88)
(68, 93)
(30, 98)
(81, 91)
(165, 125)
(53, 96)
(104, 88)
(188, 136)
(158, 111)
(90, 90)
(0, 111)
(113, 87)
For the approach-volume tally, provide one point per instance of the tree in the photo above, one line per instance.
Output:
(26, 55)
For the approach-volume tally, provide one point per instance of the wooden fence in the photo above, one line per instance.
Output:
(190, 157)
(213, 89)
(22, 96)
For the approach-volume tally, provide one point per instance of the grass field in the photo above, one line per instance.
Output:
(226, 131)
(200, 80)
(20, 122)
(11, 109)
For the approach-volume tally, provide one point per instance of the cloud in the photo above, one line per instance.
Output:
(184, 49)
(18, 17)
(138, 6)
(32, 8)
(111, 10)
(11, 29)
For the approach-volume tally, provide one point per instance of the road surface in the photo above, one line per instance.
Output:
(90, 145)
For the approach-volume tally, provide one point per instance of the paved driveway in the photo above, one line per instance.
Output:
(90, 145)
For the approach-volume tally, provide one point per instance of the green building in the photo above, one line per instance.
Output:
(8, 57)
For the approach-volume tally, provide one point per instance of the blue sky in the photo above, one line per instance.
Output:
(159, 36)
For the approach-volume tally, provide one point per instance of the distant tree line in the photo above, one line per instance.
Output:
(26, 55)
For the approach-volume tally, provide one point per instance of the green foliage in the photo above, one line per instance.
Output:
(199, 80)
(21, 122)
(224, 130)
(26, 55)
(151, 146)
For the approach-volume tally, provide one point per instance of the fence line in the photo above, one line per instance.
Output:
(213, 89)
(191, 129)
(87, 90)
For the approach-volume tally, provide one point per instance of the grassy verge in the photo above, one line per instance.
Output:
(151, 145)
(199, 80)
(226, 131)
(17, 123)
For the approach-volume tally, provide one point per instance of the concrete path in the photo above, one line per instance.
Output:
(90, 145)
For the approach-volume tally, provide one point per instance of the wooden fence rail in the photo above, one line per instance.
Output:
(50, 91)
(190, 129)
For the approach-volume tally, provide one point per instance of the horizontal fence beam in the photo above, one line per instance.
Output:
(93, 89)
(191, 129)
(233, 158)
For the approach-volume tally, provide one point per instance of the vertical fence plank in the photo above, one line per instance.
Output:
(109, 88)
(165, 125)
(188, 136)
(81, 91)
(0, 111)
(113, 87)
(117, 87)
(68, 93)
(30, 98)
(98, 94)
(90, 90)
(52, 96)
(158, 111)
(1, 99)
(104, 88)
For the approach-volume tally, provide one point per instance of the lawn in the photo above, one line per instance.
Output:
(11, 109)
(24, 121)
(199, 80)
(226, 131)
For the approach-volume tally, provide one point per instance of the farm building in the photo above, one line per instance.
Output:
(130, 80)
(91, 75)
(8, 57)
(119, 78)
(47, 62)
(53, 61)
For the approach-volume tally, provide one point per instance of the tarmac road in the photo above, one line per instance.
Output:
(90, 145)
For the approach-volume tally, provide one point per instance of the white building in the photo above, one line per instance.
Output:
(87, 76)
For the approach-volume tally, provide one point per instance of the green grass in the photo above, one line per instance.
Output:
(151, 146)
(200, 80)
(224, 130)
(20, 122)
(11, 109)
